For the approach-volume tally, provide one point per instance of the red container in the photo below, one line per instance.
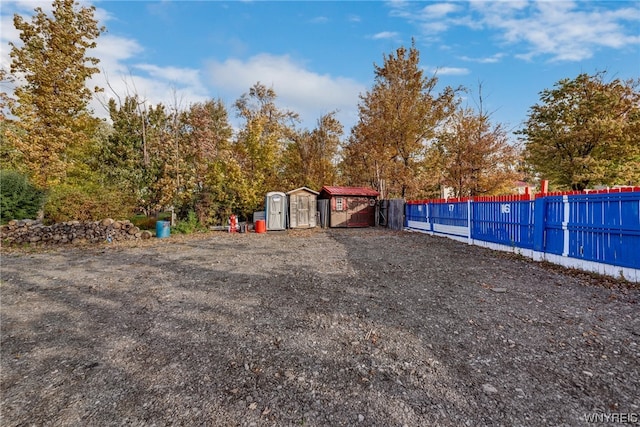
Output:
(261, 226)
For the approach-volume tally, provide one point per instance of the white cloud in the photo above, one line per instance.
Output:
(400, 8)
(562, 30)
(485, 60)
(28, 6)
(448, 71)
(500, 5)
(559, 30)
(113, 51)
(398, 4)
(431, 19)
(171, 86)
(101, 15)
(435, 27)
(385, 35)
(121, 76)
(173, 75)
(439, 10)
(8, 34)
(298, 89)
(319, 20)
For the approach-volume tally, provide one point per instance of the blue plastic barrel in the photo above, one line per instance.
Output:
(163, 229)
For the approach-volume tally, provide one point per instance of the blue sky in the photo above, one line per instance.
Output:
(319, 55)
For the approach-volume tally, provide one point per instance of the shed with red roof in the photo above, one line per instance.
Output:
(350, 206)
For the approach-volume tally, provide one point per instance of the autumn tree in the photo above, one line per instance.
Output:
(398, 118)
(172, 157)
(208, 158)
(310, 159)
(10, 157)
(163, 140)
(260, 144)
(475, 156)
(51, 66)
(146, 153)
(124, 152)
(585, 131)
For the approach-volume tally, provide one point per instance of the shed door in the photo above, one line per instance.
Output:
(303, 209)
(359, 213)
(275, 220)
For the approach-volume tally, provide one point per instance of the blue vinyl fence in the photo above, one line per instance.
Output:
(451, 218)
(601, 227)
(504, 222)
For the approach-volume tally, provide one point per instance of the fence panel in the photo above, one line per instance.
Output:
(450, 218)
(417, 215)
(604, 228)
(553, 227)
(507, 222)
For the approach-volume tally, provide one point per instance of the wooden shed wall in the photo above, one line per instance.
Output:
(356, 211)
(302, 209)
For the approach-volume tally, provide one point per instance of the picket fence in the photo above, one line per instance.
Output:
(596, 231)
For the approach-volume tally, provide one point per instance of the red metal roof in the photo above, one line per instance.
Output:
(349, 191)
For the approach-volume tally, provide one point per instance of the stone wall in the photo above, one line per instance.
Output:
(34, 232)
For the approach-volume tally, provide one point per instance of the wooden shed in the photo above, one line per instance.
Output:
(350, 206)
(302, 207)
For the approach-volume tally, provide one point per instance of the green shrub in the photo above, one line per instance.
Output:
(19, 198)
(188, 225)
(92, 203)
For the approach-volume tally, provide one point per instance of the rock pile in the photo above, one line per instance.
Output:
(34, 232)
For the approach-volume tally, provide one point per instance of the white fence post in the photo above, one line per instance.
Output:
(469, 211)
(565, 223)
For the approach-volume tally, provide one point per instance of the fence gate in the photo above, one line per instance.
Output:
(395, 214)
(325, 212)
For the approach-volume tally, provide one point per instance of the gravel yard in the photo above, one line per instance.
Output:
(319, 328)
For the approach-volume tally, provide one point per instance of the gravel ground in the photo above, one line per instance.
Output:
(320, 328)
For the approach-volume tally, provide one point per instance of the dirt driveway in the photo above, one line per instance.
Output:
(324, 327)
